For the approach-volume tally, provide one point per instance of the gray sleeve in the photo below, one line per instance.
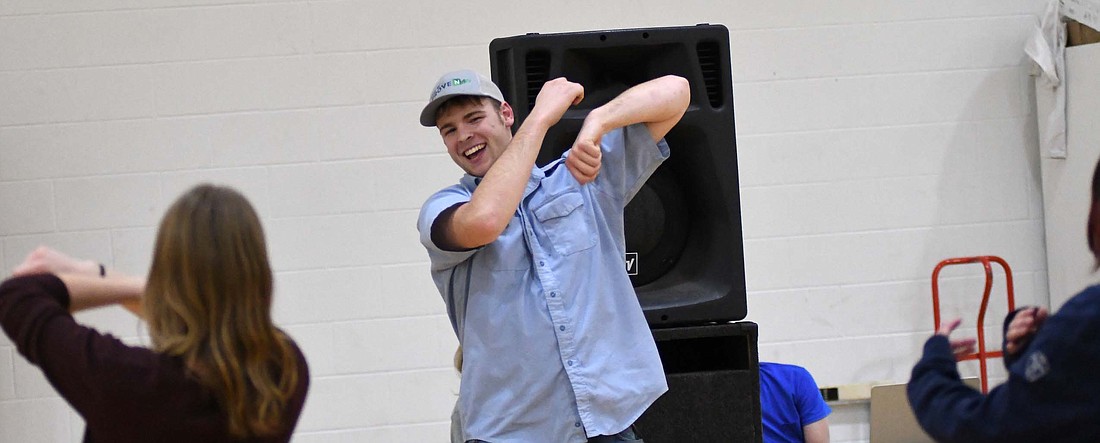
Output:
(436, 204)
(629, 158)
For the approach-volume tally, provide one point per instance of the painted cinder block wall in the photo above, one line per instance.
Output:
(875, 138)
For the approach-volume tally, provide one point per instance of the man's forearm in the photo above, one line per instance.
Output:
(659, 103)
(484, 217)
(495, 200)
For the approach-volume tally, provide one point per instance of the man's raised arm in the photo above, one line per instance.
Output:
(659, 103)
(481, 220)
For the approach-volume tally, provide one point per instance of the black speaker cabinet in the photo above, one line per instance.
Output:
(683, 229)
(713, 386)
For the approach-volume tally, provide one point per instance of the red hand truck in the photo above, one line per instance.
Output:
(982, 354)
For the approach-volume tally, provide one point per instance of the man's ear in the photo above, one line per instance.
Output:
(507, 115)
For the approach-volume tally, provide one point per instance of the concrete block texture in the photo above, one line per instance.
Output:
(7, 379)
(874, 139)
(40, 420)
(76, 95)
(139, 36)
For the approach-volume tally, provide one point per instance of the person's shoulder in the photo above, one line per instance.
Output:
(460, 188)
(303, 366)
(1089, 293)
(1085, 304)
(445, 198)
(784, 373)
(298, 354)
(782, 368)
(293, 346)
(1073, 324)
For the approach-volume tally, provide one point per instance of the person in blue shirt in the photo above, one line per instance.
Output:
(529, 260)
(791, 407)
(1052, 393)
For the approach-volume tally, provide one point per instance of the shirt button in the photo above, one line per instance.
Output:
(570, 362)
(542, 263)
(553, 294)
(577, 424)
(561, 328)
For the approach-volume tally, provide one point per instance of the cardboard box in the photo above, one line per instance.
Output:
(1080, 34)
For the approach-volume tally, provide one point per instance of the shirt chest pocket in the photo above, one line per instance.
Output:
(509, 251)
(568, 222)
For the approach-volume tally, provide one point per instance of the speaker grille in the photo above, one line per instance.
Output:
(709, 64)
(713, 386)
(537, 73)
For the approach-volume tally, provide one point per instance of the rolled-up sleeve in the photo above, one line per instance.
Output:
(436, 204)
(811, 407)
(630, 156)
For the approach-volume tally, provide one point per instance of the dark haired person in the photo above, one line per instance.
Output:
(529, 260)
(218, 370)
(1052, 394)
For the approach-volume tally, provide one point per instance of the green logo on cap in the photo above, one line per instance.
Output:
(445, 85)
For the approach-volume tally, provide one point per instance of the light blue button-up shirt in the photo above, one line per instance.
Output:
(554, 340)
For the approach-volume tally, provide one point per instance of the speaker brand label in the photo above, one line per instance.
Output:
(631, 263)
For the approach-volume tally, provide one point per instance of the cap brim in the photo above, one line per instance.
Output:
(427, 116)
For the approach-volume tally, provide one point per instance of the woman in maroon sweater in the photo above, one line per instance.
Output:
(218, 370)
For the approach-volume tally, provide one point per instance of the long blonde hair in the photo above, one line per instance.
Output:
(208, 301)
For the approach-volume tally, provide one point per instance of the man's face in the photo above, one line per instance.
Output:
(476, 134)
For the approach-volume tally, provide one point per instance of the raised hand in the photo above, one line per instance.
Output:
(1023, 327)
(959, 347)
(47, 260)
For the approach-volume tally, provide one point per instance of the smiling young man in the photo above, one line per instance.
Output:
(529, 260)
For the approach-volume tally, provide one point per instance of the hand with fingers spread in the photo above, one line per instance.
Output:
(960, 347)
(1023, 328)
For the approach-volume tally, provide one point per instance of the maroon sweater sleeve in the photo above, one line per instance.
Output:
(34, 312)
(104, 379)
(27, 307)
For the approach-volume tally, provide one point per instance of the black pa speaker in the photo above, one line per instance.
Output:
(683, 228)
(713, 386)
